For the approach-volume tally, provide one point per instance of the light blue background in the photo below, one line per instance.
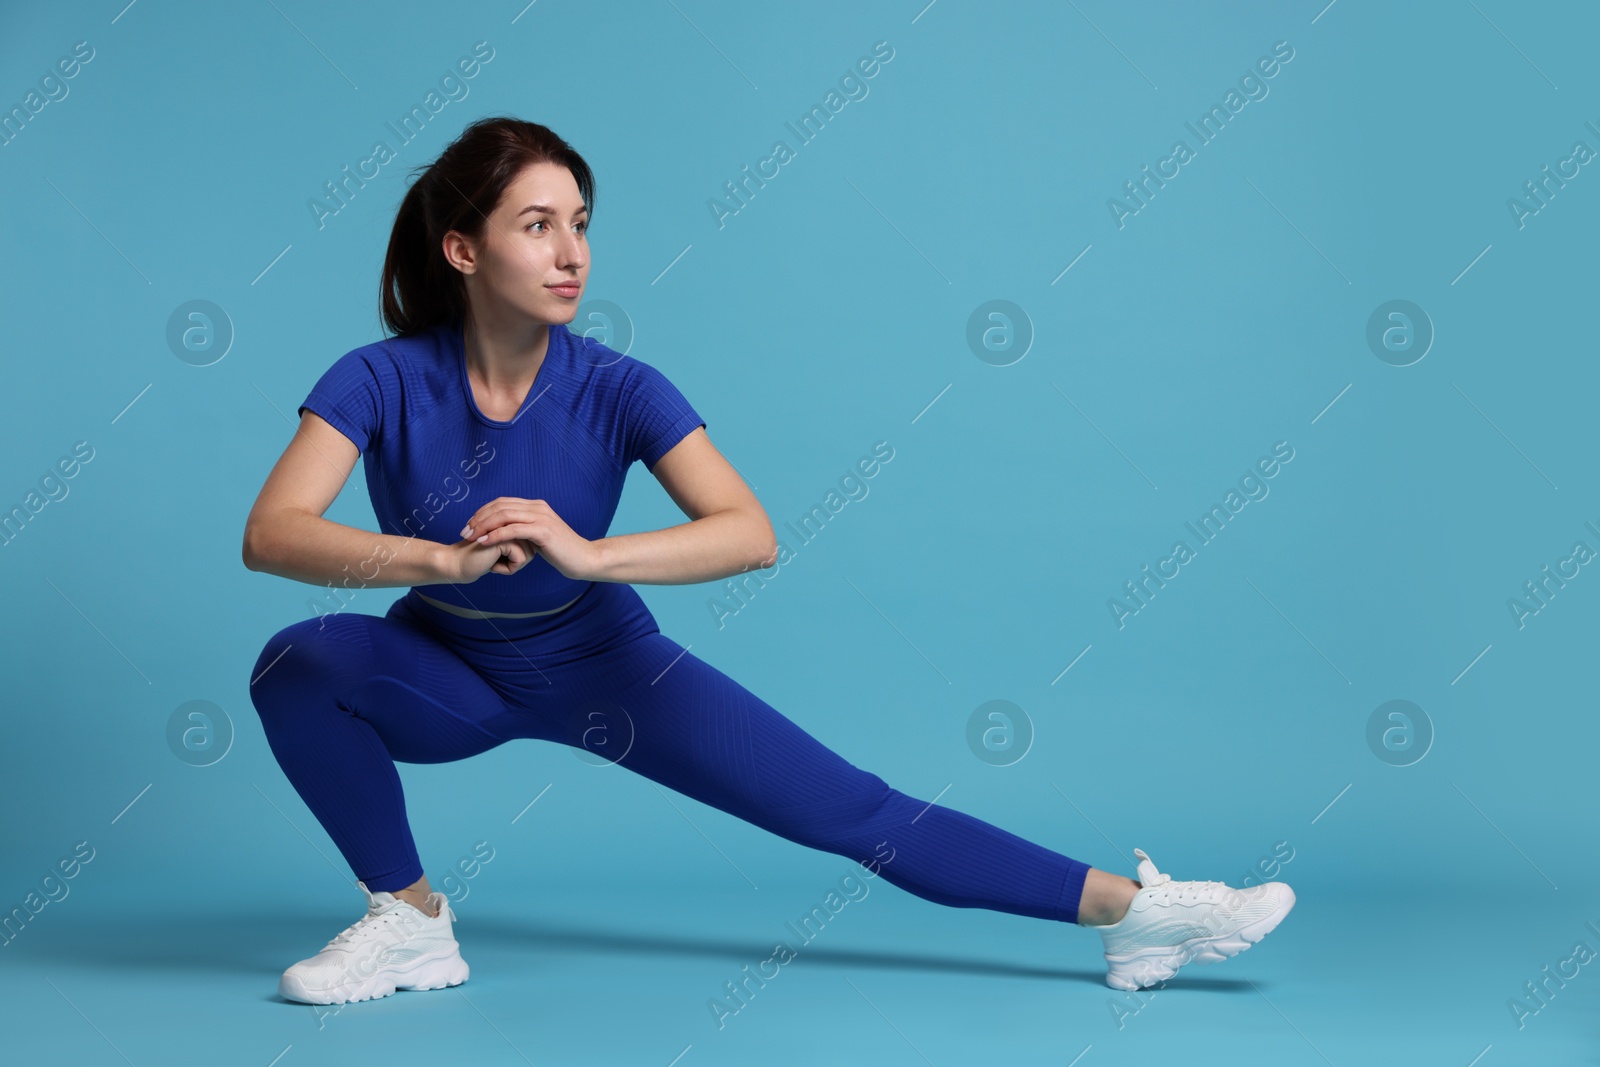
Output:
(831, 312)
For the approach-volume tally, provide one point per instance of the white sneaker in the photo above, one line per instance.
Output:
(395, 946)
(1173, 923)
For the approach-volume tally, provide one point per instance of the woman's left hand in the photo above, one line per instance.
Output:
(507, 518)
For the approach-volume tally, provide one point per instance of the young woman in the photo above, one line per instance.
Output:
(496, 441)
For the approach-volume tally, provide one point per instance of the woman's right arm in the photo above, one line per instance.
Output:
(285, 533)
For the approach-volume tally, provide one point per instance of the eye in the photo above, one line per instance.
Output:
(581, 227)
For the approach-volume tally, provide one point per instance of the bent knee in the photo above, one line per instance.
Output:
(312, 652)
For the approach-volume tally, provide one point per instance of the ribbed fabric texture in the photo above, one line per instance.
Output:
(345, 695)
(342, 697)
(432, 458)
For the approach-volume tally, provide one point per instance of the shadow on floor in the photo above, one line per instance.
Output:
(264, 943)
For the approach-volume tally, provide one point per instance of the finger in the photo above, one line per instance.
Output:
(480, 516)
(481, 525)
(518, 554)
(513, 555)
(511, 531)
(491, 517)
(482, 521)
(483, 509)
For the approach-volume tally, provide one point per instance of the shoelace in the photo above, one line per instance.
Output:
(363, 926)
(1201, 892)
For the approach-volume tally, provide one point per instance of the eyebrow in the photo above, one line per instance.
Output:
(546, 209)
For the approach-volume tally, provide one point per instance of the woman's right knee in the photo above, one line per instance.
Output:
(311, 655)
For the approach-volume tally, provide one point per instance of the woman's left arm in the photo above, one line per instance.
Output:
(728, 531)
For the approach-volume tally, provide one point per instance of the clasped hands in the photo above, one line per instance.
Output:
(505, 534)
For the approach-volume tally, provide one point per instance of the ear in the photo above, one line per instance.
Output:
(460, 252)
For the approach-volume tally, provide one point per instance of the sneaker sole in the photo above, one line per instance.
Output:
(438, 973)
(1159, 964)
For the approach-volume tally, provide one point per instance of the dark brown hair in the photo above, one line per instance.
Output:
(457, 191)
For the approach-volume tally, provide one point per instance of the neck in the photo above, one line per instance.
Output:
(504, 355)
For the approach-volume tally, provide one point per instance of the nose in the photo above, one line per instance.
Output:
(570, 251)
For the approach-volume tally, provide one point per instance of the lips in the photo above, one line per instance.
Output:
(564, 289)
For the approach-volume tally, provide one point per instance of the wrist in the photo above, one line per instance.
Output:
(440, 562)
(600, 560)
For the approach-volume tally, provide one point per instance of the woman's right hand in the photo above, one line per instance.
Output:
(467, 561)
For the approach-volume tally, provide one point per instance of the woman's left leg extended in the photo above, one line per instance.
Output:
(662, 712)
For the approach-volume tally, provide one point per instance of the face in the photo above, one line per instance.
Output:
(535, 239)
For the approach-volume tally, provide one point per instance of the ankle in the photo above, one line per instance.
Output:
(420, 901)
(1106, 898)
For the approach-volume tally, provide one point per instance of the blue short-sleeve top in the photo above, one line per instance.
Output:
(432, 458)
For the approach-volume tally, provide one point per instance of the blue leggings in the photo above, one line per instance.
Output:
(342, 697)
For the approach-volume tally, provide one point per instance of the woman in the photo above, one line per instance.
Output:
(496, 442)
